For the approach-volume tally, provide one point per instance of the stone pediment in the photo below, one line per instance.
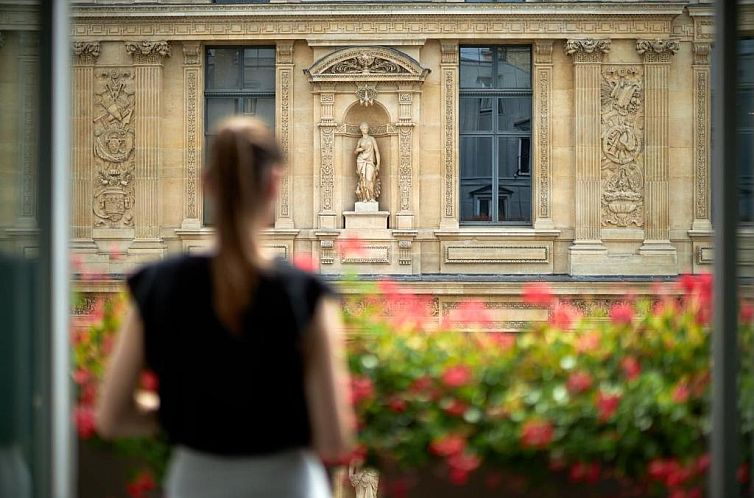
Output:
(366, 64)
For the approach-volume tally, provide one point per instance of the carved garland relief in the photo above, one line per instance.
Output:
(114, 149)
(326, 181)
(191, 59)
(622, 101)
(285, 89)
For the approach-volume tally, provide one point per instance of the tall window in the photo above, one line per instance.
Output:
(746, 129)
(239, 80)
(495, 129)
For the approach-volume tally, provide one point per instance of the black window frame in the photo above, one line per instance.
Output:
(497, 94)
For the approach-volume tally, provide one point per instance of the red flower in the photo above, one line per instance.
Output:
(304, 261)
(747, 313)
(456, 376)
(607, 405)
(585, 472)
(469, 313)
(88, 393)
(141, 484)
(694, 493)
(82, 376)
(461, 464)
(563, 315)
(589, 341)
(149, 381)
(537, 434)
(702, 463)
(681, 392)
(85, 423)
(687, 282)
(396, 404)
(538, 294)
(677, 476)
(578, 382)
(742, 474)
(107, 344)
(631, 367)
(361, 389)
(452, 444)
(622, 314)
(456, 408)
(388, 288)
(421, 385)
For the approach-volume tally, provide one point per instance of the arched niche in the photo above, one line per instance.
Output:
(379, 85)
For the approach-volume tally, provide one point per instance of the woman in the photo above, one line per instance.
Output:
(247, 350)
(367, 166)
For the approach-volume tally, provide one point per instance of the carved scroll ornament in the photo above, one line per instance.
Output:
(622, 97)
(588, 49)
(366, 63)
(148, 52)
(114, 149)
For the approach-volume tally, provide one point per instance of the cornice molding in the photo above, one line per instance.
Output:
(376, 21)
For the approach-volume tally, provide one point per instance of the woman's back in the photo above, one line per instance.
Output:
(220, 391)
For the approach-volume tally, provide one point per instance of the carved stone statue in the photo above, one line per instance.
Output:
(367, 166)
(365, 481)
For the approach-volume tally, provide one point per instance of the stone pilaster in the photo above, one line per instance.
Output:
(284, 129)
(587, 59)
(85, 55)
(147, 57)
(327, 125)
(657, 58)
(702, 128)
(192, 135)
(28, 86)
(405, 216)
(542, 163)
(449, 116)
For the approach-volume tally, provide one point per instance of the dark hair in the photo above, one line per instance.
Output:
(244, 154)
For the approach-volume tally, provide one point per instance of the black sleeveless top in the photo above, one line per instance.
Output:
(220, 392)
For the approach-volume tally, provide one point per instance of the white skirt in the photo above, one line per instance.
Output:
(288, 474)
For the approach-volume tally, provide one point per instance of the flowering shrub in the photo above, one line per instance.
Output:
(622, 397)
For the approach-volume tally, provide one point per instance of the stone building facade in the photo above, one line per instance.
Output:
(567, 141)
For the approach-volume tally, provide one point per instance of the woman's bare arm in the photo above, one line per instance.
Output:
(327, 384)
(118, 415)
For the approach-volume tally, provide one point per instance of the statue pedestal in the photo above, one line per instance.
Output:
(373, 220)
(367, 207)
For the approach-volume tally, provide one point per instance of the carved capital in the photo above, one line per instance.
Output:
(449, 50)
(543, 52)
(86, 52)
(657, 50)
(148, 52)
(702, 53)
(192, 53)
(587, 49)
(284, 52)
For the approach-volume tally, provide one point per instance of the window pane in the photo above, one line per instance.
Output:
(514, 114)
(259, 69)
(476, 179)
(476, 67)
(476, 113)
(261, 108)
(514, 181)
(219, 108)
(513, 67)
(223, 69)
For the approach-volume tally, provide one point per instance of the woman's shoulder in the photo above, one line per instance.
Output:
(303, 283)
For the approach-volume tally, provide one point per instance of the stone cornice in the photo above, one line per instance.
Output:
(19, 17)
(375, 21)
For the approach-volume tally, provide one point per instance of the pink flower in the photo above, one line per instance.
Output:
(82, 376)
(538, 294)
(361, 389)
(388, 288)
(456, 376)
(115, 252)
(687, 282)
(589, 341)
(585, 472)
(304, 261)
(461, 465)
(452, 444)
(456, 408)
(537, 434)
(468, 313)
(149, 381)
(622, 314)
(421, 385)
(505, 340)
(88, 393)
(351, 247)
(631, 367)
(563, 315)
(578, 382)
(702, 463)
(681, 392)
(607, 405)
(83, 415)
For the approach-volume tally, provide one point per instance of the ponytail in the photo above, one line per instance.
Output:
(244, 154)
